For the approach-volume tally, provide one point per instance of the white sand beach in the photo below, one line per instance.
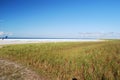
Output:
(25, 41)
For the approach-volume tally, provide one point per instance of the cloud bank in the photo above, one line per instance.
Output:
(1, 33)
(100, 34)
(5, 33)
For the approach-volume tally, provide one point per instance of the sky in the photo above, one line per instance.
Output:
(60, 18)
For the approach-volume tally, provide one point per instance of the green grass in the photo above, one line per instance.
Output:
(65, 60)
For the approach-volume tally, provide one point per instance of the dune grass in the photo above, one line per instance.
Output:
(65, 60)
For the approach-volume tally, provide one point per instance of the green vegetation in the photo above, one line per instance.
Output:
(65, 60)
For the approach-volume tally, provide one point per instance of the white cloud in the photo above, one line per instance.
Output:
(9, 33)
(1, 33)
(99, 34)
(5, 33)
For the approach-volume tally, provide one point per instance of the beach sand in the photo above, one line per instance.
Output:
(26, 41)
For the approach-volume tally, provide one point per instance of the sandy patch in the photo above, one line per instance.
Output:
(13, 71)
(25, 41)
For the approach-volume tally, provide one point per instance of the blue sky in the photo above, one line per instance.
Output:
(59, 18)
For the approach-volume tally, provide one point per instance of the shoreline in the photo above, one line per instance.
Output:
(27, 41)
